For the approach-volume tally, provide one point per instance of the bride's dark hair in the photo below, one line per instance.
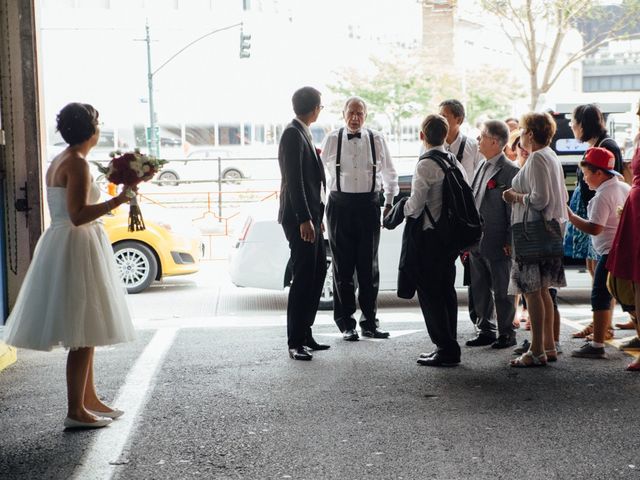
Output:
(77, 122)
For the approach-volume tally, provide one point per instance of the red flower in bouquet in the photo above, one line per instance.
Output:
(130, 169)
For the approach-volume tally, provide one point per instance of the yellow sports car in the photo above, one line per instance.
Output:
(165, 248)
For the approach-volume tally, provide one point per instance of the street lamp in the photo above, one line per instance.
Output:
(153, 133)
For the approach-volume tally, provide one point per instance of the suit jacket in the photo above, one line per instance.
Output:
(495, 212)
(303, 178)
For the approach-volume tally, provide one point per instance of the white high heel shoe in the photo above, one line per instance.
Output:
(113, 414)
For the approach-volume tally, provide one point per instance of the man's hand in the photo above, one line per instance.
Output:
(385, 212)
(507, 250)
(307, 232)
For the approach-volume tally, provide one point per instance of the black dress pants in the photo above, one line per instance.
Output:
(437, 296)
(354, 236)
(309, 267)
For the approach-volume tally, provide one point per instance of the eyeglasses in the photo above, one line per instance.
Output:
(485, 135)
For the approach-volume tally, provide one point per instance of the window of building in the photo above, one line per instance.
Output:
(200, 134)
(229, 134)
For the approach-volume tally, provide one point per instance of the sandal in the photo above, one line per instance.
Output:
(552, 355)
(528, 359)
(588, 330)
(630, 325)
(633, 367)
(608, 336)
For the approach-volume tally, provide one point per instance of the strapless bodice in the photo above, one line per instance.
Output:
(57, 201)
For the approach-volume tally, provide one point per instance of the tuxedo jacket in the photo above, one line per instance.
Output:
(303, 178)
(495, 212)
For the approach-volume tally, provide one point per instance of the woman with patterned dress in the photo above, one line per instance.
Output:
(588, 125)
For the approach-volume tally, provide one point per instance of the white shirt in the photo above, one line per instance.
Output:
(471, 156)
(602, 210)
(542, 181)
(426, 189)
(356, 164)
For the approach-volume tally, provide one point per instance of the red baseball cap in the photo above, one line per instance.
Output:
(601, 158)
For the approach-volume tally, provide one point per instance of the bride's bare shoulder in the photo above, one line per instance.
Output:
(67, 163)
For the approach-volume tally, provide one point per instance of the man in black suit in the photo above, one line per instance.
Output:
(302, 194)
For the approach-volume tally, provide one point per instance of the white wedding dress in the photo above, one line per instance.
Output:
(72, 294)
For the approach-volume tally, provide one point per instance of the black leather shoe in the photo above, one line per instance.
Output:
(481, 340)
(375, 333)
(299, 354)
(350, 335)
(313, 345)
(504, 342)
(438, 360)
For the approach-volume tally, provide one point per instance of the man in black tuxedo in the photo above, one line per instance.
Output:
(302, 194)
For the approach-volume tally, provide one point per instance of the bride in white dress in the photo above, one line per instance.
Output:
(72, 295)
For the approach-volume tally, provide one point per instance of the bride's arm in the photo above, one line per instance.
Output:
(78, 183)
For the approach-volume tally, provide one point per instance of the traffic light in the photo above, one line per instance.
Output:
(245, 45)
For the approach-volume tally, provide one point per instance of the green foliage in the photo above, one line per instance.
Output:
(398, 88)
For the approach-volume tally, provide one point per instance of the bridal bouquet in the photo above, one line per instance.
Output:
(130, 169)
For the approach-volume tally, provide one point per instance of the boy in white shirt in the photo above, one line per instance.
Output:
(599, 174)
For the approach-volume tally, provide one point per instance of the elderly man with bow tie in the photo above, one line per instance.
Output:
(360, 169)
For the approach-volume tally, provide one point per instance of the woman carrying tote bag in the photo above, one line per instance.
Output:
(538, 194)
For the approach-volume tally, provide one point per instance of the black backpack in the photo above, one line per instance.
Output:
(460, 224)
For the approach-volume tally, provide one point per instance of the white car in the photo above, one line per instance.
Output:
(260, 256)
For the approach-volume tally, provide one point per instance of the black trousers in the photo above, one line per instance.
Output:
(309, 267)
(437, 294)
(354, 236)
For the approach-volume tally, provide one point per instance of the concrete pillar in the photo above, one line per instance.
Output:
(20, 155)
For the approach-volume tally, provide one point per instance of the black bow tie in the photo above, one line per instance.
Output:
(353, 135)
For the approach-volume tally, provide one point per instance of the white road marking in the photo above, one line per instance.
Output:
(103, 454)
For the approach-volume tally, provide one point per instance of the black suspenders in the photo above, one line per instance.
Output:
(461, 149)
(373, 156)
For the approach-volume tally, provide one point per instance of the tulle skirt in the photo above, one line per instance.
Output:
(72, 294)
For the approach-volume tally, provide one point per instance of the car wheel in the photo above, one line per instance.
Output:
(232, 175)
(137, 265)
(168, 178)
(326, 299)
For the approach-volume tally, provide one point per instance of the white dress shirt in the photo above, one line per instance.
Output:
(356, 164)
(471, 157)
(426, 189)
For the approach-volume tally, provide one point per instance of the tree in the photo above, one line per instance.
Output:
(398, 88)
(520, 20)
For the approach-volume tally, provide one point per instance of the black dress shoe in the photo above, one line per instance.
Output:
(375, 333)
(504, 342)
(300, 353)
(439, 360)
(350, 335)
(313, 345)
(480, 340)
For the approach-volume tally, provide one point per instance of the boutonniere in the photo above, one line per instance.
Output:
(318, 151)
(491, 184)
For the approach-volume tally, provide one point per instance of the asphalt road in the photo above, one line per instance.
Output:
(210, 393)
